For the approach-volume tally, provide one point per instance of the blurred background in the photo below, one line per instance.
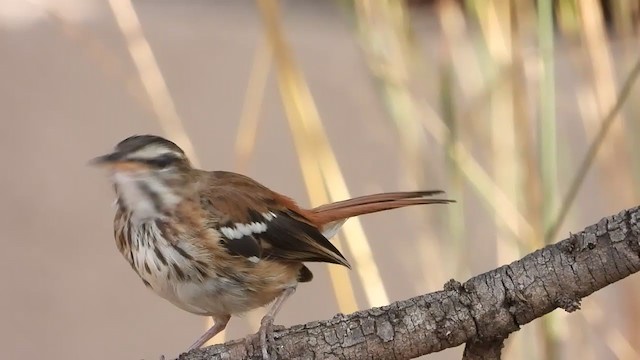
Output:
(523, 111)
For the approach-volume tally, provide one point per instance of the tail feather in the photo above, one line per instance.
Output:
(341, 210)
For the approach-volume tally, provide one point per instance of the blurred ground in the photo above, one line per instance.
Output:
(67, 293)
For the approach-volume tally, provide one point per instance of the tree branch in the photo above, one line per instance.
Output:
(483, 350)
(482, 312)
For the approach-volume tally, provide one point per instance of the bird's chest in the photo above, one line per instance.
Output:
(189, 278)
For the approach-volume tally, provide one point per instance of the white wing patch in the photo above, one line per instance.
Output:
(240, 230)
(269, 215)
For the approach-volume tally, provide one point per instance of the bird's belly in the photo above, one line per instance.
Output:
(213, 296)
(191, 291)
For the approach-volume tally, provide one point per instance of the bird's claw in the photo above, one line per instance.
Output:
(266, 336)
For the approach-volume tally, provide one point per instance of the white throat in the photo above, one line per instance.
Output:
(146, 196)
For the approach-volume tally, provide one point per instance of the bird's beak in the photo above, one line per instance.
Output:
(116, 161)
(108, 159)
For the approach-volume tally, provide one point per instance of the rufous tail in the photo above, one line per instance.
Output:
(330, 217)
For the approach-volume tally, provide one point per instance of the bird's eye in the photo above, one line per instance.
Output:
(162, 161)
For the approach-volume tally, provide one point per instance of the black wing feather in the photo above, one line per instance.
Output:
(233, 199)
(292, 239)
(287, 237)
(247, 246)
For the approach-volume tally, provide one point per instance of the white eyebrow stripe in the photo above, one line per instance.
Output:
(150, 152)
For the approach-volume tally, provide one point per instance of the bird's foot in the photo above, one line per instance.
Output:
(266, 335)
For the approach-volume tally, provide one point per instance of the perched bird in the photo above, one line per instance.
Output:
(217, 243)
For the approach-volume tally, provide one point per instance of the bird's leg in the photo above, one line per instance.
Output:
(266, 325)
(219, 323)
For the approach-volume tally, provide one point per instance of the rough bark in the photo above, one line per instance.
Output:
(482, 312)
(483, 350)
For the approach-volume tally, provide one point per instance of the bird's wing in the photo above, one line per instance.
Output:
(257, 223)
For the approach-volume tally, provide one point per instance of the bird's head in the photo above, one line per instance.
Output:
(144, 153)
(150, 174)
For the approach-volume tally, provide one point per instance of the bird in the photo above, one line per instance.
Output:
(218, 243)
